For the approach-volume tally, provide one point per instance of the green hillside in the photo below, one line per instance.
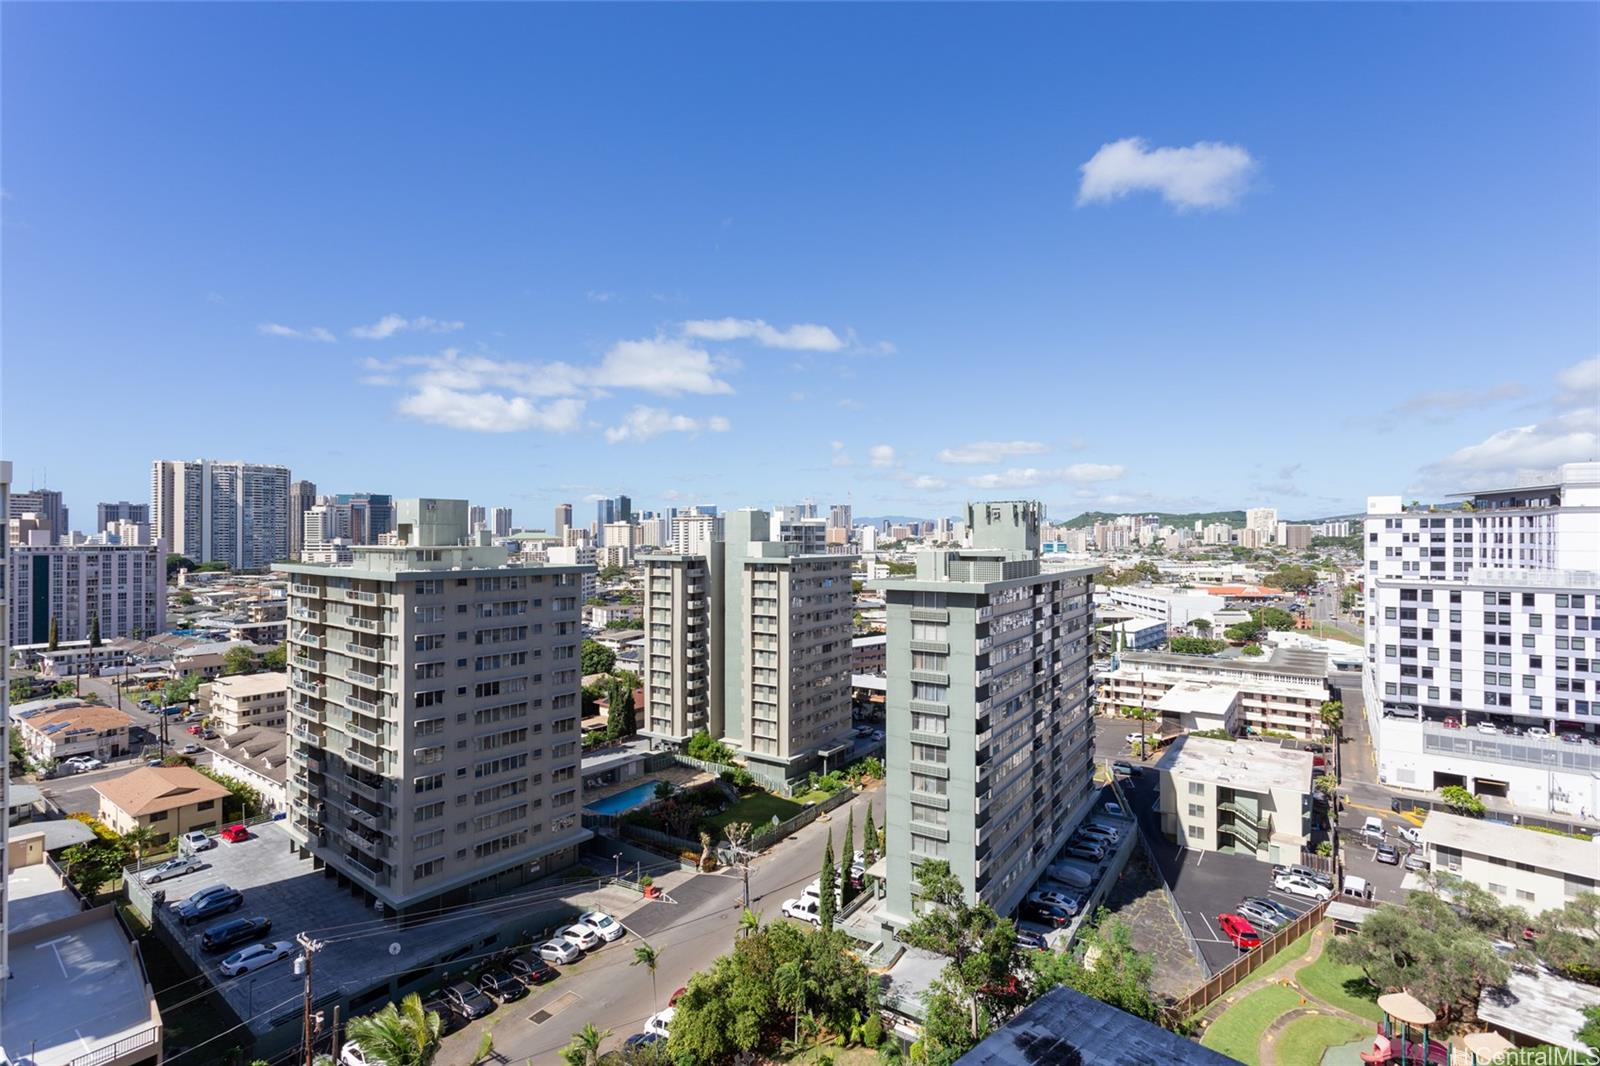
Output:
(1232, 518)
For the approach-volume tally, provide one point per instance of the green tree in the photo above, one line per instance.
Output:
(1589, 1035)
(1333, 715)
(647, 956)
(1569, 938)
(846, 890)
(979, 943)
(869, 840)
(186, 598)
(702, 747)
(1244, 631)
(597, 658)
(138, 840)
(94, 631)
(277, 659)
(611, 573)
(620, 713)
(749, 922)
(1461, 801)
(92, 864)
(53, 640)
(902, 569)
(830, 886)
(1293, 578)
(1119, 975)
(1425, 946)
(585, 1047)
(1273, 618)
(1252, 650)
(1197, 645)
(405, 1035)
(1142, 715)
(238, 660)
(1326, 784)
(177, 562)
(245, 800)
(1201, 626)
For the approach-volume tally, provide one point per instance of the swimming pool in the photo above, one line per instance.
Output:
(623, 802)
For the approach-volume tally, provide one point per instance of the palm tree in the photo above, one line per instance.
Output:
(403, 1036)
(585, 1047)
(647, 956)
(749, 922)
(138, 840)
(705, 848)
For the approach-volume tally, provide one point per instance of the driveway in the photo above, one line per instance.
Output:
(1204, 884)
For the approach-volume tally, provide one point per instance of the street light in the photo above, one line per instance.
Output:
(617, 859)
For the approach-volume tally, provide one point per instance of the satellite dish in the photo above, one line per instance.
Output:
(394, 948)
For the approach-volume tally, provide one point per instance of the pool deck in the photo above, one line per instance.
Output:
(681, 776)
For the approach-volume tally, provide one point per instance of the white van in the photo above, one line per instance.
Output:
(1372, 828)
(1357, 887)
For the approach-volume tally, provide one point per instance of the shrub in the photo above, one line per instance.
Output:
(1251, 650)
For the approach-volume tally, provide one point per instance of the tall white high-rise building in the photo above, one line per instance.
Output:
(1264, 520)
(229, 512)
(694, 531)
(1488, 616)
(123, 586)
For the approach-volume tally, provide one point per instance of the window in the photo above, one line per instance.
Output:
(1197, 788)
(1196, 810)
(430, 783)
(933, 631)
(928, 723)
(933, 786)
(933, 849)
(921, 690)
(932, 661)
(927, 815)
(1196, 832)
(431, 839)
(429, 811)
(929, 753)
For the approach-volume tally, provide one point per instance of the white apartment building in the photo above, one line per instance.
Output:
(1169, 604)
(776, 645)
(580, 556)
(123, 585)
(434, 715)
(213, 511)
(1237, 797)
(1282, 691)
(1488, 616)
(693, 532)
(1535, 871)
(1264, 521)
(249, 701)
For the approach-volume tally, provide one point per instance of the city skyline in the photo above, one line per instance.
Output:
(695, 319)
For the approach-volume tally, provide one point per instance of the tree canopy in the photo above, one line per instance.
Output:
(239, 660)
(1111, 969)
(1294, 578)
(597, 658)
(1273, 618)
(1197, 645)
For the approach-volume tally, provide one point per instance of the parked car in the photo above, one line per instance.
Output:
(195, 729)
(1488, 728)
(208, 734)
(1105, 829)
(225, 935)
(643, 1040)
(1302, 886)
(531, 970)
(465, 999)
(1387, 854)
(677, 994)
(804, 909)
(607, 927)
(195, 840)
(255, 956)
(1240, 931)
(352, 1055)
(581, 935)
(1085, 850)
(208, 903)
(1260, 917)
(1055, 899)
(1027, 938)
(1538, 731)
(1070, 874)
(1115, 810)
(1126, 769)
(183, 864)
(660, 1021)
(192, 749)
(86, 762)
(235, 834)
(1452, 723)
(1302, 871)
(562, 951)
(449, 1020)
(1045, 913)
(501, 986)
(1411, 835)
(1285, 913)
(1416, 861)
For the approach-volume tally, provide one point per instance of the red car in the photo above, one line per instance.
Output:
(1452, 723)
(1241, 932)
(672, 1000)
(194, 730)
(235, 834)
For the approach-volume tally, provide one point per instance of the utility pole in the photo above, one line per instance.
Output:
(302, 965)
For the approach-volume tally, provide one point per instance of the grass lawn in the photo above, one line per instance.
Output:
(1283, 958)
(841, 1056)
(1237, 1031)
(757, 809)
(1305, 1039)
(1327, 632)
(1340, 986)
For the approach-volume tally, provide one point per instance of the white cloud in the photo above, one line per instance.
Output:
(644, 423)
(1580, 384)
(315, 333)
(489, 412)
(600, 296)
(989, 451)
(1029, 477)
(840, 456)
(1451, 400)
(882, 455)
(806, 336)
(390, 324)
(660, 365)
(926, 482)
(1207, 174)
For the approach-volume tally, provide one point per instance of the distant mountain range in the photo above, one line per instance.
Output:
(1089, 518)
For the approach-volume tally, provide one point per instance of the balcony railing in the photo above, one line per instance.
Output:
(367, 680)
(364, 651)
(367, 818)
(309, 736)
(306, 637)
(364, 790)
(367, 762)
(305, 590)
(306, 614)
(307, 687)
(1243, 814)
(359, 704)
(371, 736)
(356, 596)
(305, 662)
(369, 624)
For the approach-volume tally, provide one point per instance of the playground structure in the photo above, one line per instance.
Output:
(1404, 1012)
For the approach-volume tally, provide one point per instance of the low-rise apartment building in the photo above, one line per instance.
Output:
(168, 800)
(72, 658)
(246, 701)
(1280, 692)
(1239, 797)
(1535, 871)
(59, 729)
(260, 758)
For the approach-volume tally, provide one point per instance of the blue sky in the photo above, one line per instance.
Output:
(1130, 257)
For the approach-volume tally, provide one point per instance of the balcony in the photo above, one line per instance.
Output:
(305, 590)
(306, 734)
(356, 787)
(367, 818)
(373, 868)
(695, 604)
(309, 688)
(364, 651)
(371, 736)
(366, 762)
(352, 622)
(355, 596)
(371, 844)
(306, 614)
(305, 662)
(306, 637)
(365, 680)
(358, 704)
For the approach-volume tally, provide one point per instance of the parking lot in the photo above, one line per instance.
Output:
(362, 951)
(1204, 884)
(1359, 855)
(1105, 876)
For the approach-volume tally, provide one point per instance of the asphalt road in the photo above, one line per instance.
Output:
(607, 990)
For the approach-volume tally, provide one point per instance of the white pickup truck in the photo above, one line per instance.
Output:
(805, 909)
